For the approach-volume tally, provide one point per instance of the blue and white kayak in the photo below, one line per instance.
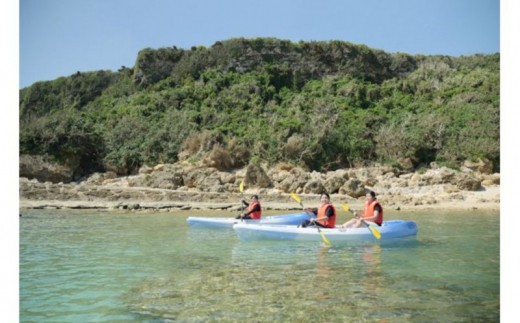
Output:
(391, 229)
(284, 219)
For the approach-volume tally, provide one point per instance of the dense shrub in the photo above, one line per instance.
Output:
(323, 105)
(68, 138)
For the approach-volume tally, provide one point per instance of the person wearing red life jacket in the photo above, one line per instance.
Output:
(254, 209)
(325, 214)
(373, 212)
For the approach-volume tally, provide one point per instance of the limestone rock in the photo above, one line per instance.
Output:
(256, 176)
(353, 187)
(44, 169)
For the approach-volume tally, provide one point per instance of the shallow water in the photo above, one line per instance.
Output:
(119, 267)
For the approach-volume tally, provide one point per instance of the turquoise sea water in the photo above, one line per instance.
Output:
(122, 267)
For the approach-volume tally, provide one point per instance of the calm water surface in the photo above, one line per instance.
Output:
(120, 267)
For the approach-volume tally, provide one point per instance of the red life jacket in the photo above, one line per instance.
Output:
(369, 211)
(257, 214)
(322, 213)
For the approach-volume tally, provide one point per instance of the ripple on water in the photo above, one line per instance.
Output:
(153, 268)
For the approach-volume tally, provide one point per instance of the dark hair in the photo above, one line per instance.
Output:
(372, 193)
(325, 193)
(255, 197)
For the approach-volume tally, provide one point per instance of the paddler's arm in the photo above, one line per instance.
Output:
(373, 218)
(255, 209)
(328, 214)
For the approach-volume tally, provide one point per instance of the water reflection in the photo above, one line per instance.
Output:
(323, 270)
(372, 277)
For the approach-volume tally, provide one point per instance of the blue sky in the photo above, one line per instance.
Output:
(59, 37)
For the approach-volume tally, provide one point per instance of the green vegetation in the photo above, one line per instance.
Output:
(323, 105)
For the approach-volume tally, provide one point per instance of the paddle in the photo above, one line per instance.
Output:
(374, 231)
(241, 189)
(323, 237)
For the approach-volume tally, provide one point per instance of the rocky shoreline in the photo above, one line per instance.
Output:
(167, 188)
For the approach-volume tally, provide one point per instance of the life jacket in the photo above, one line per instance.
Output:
(257, 214)
(322, 213)
(369, 211)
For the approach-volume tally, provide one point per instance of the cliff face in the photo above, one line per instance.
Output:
(296, 63)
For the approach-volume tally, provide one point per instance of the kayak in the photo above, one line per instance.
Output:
(284, 219)
(392, 229)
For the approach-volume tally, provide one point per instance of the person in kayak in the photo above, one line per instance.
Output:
(373, 212)
(254, 209)
(325, 214)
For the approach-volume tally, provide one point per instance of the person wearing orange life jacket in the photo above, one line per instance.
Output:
(254, 209)
(373, 212)
(325, 214)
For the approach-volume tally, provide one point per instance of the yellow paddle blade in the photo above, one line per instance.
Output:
(241, 188)
(345, 207)
(375, 232)
(323, 237)
(372, 229)
(296, 197)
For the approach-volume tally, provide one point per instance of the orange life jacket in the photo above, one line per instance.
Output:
(369, 211)
(322, 213)
(256, 214)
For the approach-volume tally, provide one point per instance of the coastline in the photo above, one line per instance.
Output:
(171, 187)
(487, 198)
